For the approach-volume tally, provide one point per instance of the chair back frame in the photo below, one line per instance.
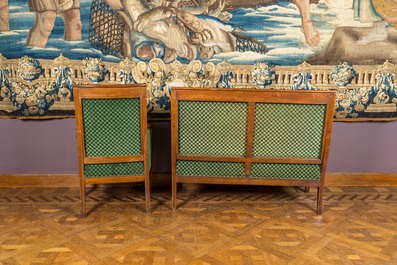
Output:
(111, 91)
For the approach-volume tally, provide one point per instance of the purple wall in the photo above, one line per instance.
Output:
(49, 147)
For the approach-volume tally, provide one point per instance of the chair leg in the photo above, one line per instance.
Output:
(82, 199)
(147, 195)
(320, 200)
(173, 193)
(307, 189)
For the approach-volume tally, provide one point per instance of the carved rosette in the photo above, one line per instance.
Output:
(343, 74)
(29, 69)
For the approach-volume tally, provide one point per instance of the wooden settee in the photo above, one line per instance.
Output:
(257, 137)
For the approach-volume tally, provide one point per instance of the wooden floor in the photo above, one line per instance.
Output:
(212, 225)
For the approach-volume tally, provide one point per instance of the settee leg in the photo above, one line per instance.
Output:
(307, 189)
(319, 200)
(173, 193)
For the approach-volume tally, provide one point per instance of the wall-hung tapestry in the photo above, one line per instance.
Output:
(47, 46)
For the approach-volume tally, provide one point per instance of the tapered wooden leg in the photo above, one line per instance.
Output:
(173, 193)
(307, 189)
(320, 200)
(147, 195)
(82, 199)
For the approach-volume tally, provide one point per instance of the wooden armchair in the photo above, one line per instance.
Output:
(112, 136)
(258, 137)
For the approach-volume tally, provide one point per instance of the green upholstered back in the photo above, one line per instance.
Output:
(207, 128)
(212, 128)
(112, 128)
(288, 130)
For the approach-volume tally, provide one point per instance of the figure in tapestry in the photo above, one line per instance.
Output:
(46, 12)
(170, 30)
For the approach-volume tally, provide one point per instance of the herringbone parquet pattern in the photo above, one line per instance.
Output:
(212, 225)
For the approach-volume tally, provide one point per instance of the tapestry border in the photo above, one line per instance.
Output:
(42, 89)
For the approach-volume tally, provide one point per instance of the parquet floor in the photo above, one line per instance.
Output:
(212, 225)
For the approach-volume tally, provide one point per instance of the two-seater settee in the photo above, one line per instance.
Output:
(250, 136)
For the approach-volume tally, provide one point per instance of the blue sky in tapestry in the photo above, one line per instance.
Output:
(276, 26)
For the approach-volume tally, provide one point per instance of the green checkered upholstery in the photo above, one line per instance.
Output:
(116, 169)
(212, 128)
(112, 128)
(288, 130)
(209, 169)
(286, 171)
(280, 130)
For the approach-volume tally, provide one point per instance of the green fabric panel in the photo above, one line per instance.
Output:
(210, 169)
(119, 169)
(288, 130)
(212, 128)
(286, 171)
(113, 170)
(111, 127)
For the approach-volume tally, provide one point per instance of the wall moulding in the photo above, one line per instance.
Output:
(162, 179)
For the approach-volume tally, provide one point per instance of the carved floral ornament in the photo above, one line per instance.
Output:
(29, 69)
(343, 74)
(359, 88)
(263, 74)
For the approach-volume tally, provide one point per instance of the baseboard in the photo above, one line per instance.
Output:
(39, 180)
(64, 180)
(361, 179)
(72, 180)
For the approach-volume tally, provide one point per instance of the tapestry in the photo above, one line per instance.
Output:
(47, 46)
